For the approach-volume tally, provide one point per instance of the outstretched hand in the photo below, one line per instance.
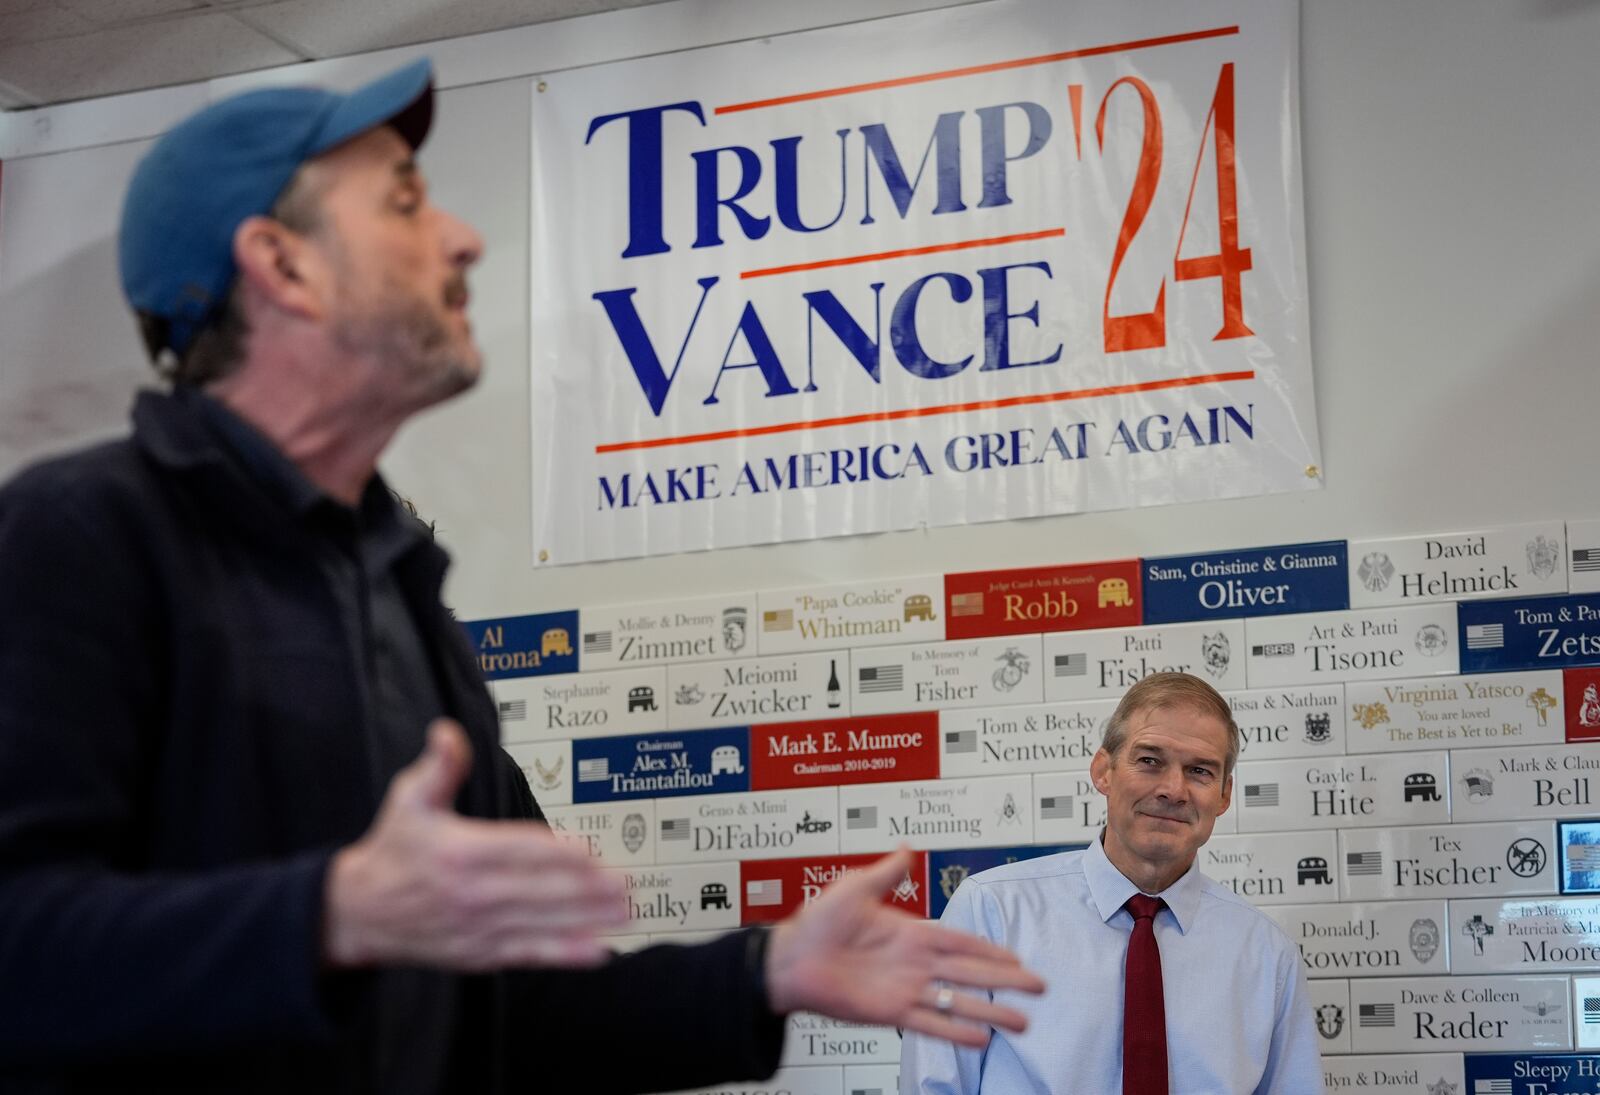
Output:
(849, 956)
(425, 886)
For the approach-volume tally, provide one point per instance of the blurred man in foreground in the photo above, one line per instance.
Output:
(256, 832)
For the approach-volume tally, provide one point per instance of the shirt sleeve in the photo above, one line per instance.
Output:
(1294, 1063)
(933, 1066)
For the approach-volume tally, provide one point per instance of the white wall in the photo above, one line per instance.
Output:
(1449, 163)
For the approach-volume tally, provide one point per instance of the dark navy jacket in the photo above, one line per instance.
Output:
(177, 766)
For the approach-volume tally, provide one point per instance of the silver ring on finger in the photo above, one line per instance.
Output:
(944, 1001)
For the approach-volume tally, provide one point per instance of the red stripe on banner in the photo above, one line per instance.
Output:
(976, 70)
(924, 412)
(905, 252)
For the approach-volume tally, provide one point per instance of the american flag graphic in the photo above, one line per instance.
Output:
(1491, 1087)
(1071, 665)
(779, 619)
(861, 817)
(961, 741)
(1591, 1011)
(513, 710)
(675, 828)
(966, 604)
(881, 678)
(760, 892)
(1375, 1015)
(1358, 864)
(1585, 559)
(597, 642)
(1056, 806)
(1261, 794)
(1486, 636)
(594, 770)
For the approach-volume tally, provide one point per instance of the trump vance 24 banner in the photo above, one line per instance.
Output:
(1011, 259)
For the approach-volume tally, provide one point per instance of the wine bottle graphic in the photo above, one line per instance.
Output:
(833, 683)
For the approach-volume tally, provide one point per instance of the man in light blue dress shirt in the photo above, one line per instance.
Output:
(1238, 1016)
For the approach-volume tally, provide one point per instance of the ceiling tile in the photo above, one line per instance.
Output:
(356, 26)
(32, 24)
(144, 55)
(112, 12)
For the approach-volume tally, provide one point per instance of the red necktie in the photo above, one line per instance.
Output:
(1144, 1012)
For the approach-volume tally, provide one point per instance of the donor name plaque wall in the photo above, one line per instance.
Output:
(1425, 832)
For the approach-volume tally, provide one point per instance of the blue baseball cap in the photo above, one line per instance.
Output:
(227, 163)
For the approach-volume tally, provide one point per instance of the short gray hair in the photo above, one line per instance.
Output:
(1160, 690)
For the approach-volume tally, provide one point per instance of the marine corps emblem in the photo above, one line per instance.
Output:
(1375, 571)
(1544, 555)
(1424, 938)
(950, 877)
(1371, 714)
(1214, 649)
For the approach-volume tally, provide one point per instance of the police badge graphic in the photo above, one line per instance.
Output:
(1214, 649)
(1319, 728)
(633, 832)
(1375, 571)
(1544, 555)
(950, 877)
(1330, 1020)
(1424, 939)
(1432, 640)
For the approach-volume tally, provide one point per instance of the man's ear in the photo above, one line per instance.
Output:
(1100, 771)
(277, 264)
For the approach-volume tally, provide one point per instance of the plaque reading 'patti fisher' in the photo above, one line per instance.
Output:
(1090, 665)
